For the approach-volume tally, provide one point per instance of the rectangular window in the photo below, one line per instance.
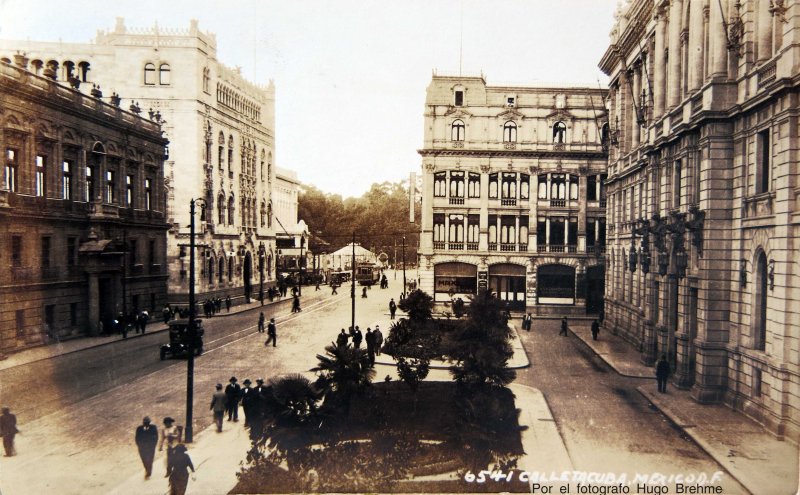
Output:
(456, 233)
(543, 186)
(129, 191)
(71, 250)
(541, 233)
(438, 227)
(110, 192)
(11, 170)
(221, 158)
(440, 185)
(41, 174)
(456, 184)
(89, 184)
(557, 231)
(676, 184)
(756, 382)
(763, 162)
(66, 180)
(45, 252)
(49, 319)
(524, 186)
(572, 233)
(473, 228)
(16, 251)
(591, 188)
(148, 194)
(493, 187)
(509, 186)
(20, 320)
(573, 187)
(151, 252)
(73, 314)
(474, 189)
(558, 186)
(590, 232)
(230, 161)
(459, 98)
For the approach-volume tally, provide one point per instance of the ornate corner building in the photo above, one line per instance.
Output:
(703, 197)
(221, 144)
(82, 210)
(513, 197)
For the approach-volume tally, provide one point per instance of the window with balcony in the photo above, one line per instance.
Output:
(509, 186)
(591, 188)
(541, 232)
(510, 132)
(129, 179)
(90, 184)
(66, 179)
(439, 232)
(440, 185)
(456, 184)
(473, 232)
(457, 130)
(11, 170)
(456, 234)
(474, 185)
(41, 176)
(558, 186)
(148, 194)
(557, 231)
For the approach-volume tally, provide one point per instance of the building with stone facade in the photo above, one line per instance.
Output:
(222, 143)
(82, 211)
(512, 194)
(703, 193)
(291, 233)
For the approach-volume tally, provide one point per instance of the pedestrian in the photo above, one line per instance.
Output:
(316, 288)
(261, 323)
(526, 322)
(378, 339)
(233, 392)
(357, 338)
(8, 430)
(272, 333)
(218, 405)
(178, 472)
(370, 339)
(172, 435)
(392, 308)
(595, 329)
(296, 304)
(166, 313)
(256, 418)
(333, 288)
(364, 292)
(144, 318)
(146, 441)
(564, 326)
(662, 373)
(246, 395)
(341, 339)
(228, 303)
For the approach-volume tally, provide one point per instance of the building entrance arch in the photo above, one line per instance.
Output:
(507, 281)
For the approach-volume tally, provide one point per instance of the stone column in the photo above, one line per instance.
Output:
(634, 78)
(764, 31)
(483, 239)
(447, 230)
(426, 220)
(695, 45)
(547, 232)
(659, 69)
(674, 85)
(718, 41)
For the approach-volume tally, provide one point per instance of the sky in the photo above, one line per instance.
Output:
(350, 76)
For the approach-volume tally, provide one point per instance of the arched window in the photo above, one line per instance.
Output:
(231, 210)
(457, 130)
(269, 215)
(262, 165)
(760, 302)
(221, 209)
(263, 214)
(37, 66)
(230, 268)
(149, 74)
(83, 71)
(510, 132)
(211, 271)
(164, 75)
(221, 271)
(559, 133)
(68, 69)
(230, 154)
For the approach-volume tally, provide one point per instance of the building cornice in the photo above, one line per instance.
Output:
(566, 155)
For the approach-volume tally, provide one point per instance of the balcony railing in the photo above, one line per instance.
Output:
(603, 203)
(472, 246)
(508, 202)
(439, 244)
(457, 144)
(492, 246)
(456, 246)
(523, 248)
(508, 247)
(553, 248)
(456, 201)
(558, 203)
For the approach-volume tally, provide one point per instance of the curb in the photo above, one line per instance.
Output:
(606, 360)
(705, 446)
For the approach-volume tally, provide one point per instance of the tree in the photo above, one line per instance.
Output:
(483, 345)
(343, 371)
(418, 305)
(412, 372)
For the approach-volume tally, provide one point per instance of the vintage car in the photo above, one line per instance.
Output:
(179, 339)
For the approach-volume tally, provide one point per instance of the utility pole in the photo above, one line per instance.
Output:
(395, 259)
(192, 331)
(353, 285)
(404, 265)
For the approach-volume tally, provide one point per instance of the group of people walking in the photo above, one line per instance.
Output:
(271, 328)
(214, 306)
(177, 460)
(372, 338)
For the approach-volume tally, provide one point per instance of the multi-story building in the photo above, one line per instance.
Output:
(703, 197)
(291, 234)
(513, 196)
(82, 223)
(222, 144)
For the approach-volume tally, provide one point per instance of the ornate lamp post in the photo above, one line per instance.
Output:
(192, 325)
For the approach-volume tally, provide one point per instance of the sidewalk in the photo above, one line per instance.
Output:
(156, 325)
(751, 455)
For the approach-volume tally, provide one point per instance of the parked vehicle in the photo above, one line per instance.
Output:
(180, 339)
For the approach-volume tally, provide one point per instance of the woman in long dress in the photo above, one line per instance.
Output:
(179, 470)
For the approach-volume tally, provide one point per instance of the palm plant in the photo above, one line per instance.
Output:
(343, 370)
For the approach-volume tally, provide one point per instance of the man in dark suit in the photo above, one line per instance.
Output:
(146, 440)
(247, 393)
(662, 373)
(232, 394)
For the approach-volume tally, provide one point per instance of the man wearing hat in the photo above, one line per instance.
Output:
(171, 435)
(247, 394)
(218, 401)
(8, 430)
(256, 414)
(232, 394)
(146, 440)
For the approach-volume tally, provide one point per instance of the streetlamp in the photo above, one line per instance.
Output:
(300, 264)
(192, 331)
(261, 251)
(404, 265)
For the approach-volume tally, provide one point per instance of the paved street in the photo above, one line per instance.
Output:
(80, 410)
